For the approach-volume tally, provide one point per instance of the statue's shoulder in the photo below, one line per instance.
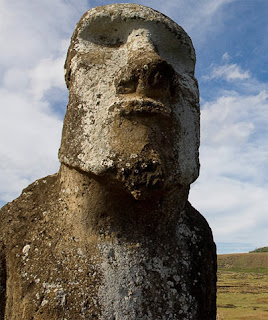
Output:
(194, 227)
(196, 220)
(18, 216)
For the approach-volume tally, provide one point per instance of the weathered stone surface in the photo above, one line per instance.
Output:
(112, 235)
(130, 73)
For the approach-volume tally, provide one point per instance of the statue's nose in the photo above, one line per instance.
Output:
(146, 73)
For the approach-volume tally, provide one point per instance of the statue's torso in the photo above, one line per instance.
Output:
(54, 273)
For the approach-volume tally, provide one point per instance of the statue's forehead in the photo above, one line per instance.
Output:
(127, 12)
(120, 14)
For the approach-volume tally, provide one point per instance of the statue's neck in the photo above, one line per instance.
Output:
(94, 206)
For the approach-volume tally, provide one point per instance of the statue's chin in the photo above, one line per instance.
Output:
(139, 177)
(145, 185)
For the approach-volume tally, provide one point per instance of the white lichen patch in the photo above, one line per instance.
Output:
(25, 251)
(130, 276)
(44, 302)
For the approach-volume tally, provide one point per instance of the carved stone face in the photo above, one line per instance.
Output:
(133, 113)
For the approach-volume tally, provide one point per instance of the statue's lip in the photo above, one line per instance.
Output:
(142, 106)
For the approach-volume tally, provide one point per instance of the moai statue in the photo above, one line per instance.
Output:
(112, 235)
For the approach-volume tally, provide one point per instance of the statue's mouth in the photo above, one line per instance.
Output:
(140, 106)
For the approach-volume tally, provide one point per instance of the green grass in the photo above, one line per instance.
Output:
(248, 270)
(242, 287)
(263, 249)
(244, 262)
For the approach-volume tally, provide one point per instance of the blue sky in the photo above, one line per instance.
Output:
(230, 38)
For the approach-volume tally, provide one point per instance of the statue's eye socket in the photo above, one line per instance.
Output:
(111, 40)
(105, 34)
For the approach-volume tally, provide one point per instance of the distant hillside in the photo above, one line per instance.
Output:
(264, 249)
(244, 262)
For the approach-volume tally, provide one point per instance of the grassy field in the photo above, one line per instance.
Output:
(243, 286)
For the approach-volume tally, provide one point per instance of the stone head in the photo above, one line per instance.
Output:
(133, 112)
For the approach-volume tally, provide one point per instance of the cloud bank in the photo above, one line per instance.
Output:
(232, 188)
(35, 37)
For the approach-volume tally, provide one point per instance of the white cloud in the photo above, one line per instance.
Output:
(228, 72)
(47, 73)
(232, 188)
(34, 37)
(29, 142)
(236, 114)
(233, 80)
(225, 56)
